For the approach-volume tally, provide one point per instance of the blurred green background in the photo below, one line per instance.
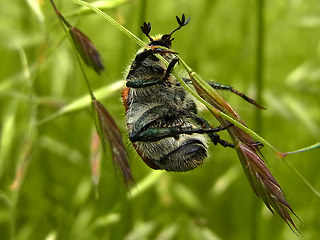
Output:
(46, 191)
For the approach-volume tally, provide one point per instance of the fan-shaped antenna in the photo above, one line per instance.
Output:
(182, 22)
(146, 28)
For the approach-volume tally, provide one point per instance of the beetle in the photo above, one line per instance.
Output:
(162, 119)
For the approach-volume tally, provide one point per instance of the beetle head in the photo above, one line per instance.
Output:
(166, 39)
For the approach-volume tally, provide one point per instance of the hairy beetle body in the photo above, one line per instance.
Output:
(161, 116)
(162, 106)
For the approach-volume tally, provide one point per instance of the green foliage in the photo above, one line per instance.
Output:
(46, 190)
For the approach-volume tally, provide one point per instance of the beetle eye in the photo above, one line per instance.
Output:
(166, 37)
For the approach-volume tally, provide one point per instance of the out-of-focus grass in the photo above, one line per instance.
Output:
(45, 177)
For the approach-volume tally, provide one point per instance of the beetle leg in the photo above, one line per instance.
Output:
(156, 134)
(143, 55)
(143, 83)
(137, 83)
(220, 86)
(149, 116)
(214, 137)
(169, 68)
